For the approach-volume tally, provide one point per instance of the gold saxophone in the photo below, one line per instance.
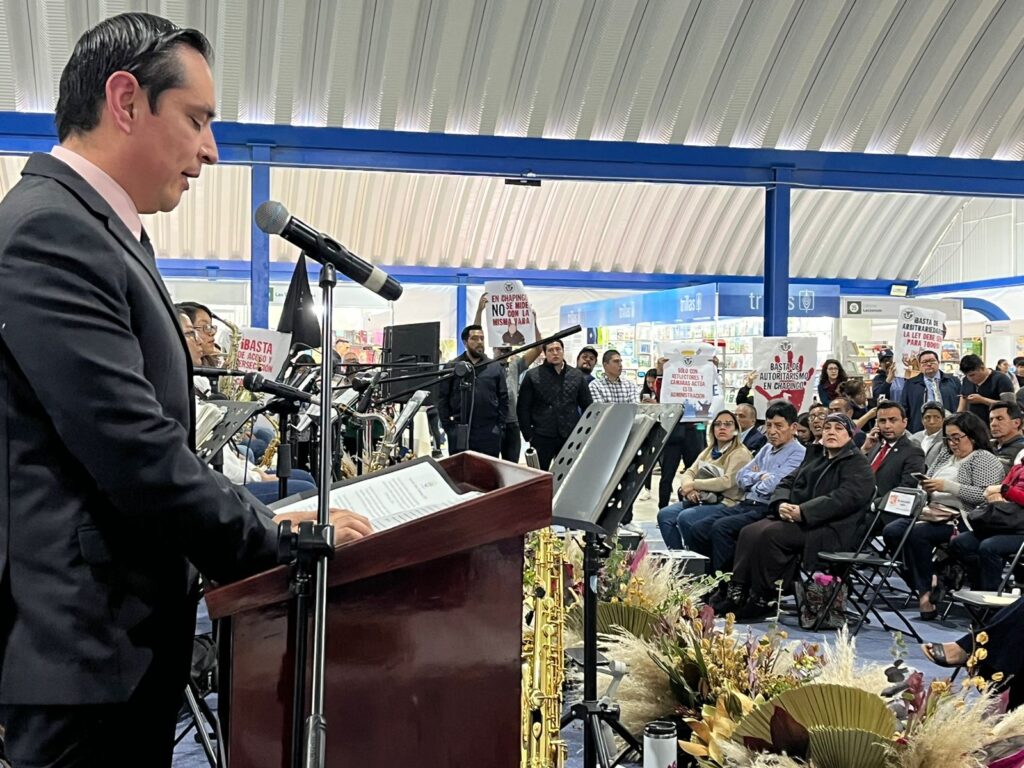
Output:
(543, 658)
(231, 387)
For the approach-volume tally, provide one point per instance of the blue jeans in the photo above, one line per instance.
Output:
(300, 481)
(716, 535)
(677, 520)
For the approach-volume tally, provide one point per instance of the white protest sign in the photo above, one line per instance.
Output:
(691, 378)
(785, 372)
(508, 321)
(917, 330)
(262, 350)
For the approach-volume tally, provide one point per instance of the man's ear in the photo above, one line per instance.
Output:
(123, 100)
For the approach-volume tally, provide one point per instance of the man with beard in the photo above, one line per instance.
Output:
(485, 393)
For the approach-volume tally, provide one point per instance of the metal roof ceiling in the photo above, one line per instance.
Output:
(930, 77)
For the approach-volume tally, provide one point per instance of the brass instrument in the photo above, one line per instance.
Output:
(543, 657)
(229, 386)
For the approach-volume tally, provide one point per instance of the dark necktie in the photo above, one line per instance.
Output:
(880, 457)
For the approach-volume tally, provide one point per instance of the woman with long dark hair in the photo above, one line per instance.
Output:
(832, 378)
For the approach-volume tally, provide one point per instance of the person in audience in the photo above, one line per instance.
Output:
(1018, 371)
(832, 378)
(552, 397)
(881, 384)
(202, 320)
(715, 535)
(803, 429)
(743, 396)
(930, 438)
(957, 480)
(514, 368)
(1005, 422)
(1002, 651)
(894, 457)
(843, 405)
(984, 551)
(856, 391)
(818, 508)
(488, 410)
(981, 387)
(683, 446)
(611, 387)
(1003, 366)
(647, 391)
(586, 361)
(816, 420)
(751, 437)
(703, 492)
(930, 385)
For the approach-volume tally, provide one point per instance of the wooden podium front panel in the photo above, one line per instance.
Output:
(423, 668)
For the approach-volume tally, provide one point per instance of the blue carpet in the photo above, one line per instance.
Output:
(873, 643)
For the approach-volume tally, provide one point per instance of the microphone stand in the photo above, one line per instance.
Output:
(309, 548)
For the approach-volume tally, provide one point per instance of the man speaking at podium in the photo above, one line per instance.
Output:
(102, 499)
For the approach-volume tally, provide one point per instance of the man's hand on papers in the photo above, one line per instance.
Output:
(348, 526)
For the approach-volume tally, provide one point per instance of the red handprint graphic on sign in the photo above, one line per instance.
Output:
(794, 384)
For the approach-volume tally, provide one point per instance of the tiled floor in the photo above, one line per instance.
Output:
(873, 643)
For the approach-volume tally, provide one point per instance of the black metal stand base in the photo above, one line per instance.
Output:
(590, 711)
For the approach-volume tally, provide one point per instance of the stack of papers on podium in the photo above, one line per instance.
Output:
(388, 499)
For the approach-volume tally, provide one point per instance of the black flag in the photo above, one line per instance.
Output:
(298, 316)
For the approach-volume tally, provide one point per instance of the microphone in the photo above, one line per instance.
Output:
(364, 402)
(273, 218)
(257, 382)
(200, 370)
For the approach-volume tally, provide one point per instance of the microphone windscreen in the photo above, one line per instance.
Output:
(251, 380)
(272, 217)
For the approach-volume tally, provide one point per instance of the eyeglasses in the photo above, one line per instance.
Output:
(206, 328)
(719, 424)
(954, 438)
(193, 334)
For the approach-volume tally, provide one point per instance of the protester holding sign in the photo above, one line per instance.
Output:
(784, 372)
(918, 329)
(509, 321)
(931, 385)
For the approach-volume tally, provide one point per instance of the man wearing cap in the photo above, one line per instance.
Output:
(586, 360)
(816, 509)
(881, 384)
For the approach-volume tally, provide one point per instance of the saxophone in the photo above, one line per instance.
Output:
(231, 387)
(543, 658)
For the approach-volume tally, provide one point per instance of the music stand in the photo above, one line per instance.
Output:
(235, 416)
(597, 476)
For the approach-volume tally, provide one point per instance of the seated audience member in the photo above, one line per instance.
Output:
(1004, 422)
(930, 438)
(858, 393)
(819, 508)
(893, 456)
(709, 484)
(1002, 651)
(986, 549)
(816, 420)
(956, 480)
(752, 438)
(844, 406)
(803, 429)
(715, 535)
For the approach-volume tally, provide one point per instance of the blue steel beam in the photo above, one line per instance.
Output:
(259, 277)
(986, 308)
(971, 285)
(601, 160)
(776, 257)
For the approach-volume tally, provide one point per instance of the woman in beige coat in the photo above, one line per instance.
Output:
(709, 483)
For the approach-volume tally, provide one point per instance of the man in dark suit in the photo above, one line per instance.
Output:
(102, 500)
(893, 455)
(751, 437)
(930, 385)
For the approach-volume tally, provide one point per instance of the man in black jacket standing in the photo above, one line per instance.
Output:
(486, 395)
(552, 398)
(103, 501)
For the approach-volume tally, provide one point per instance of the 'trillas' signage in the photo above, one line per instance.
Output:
(805, 300)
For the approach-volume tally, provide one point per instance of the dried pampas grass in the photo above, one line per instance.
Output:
(644, 693)
(741, 757)
(842, 668)
(951, 736)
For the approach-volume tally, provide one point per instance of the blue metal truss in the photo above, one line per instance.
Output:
(778, 171)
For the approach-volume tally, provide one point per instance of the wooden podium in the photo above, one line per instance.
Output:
(423, 637)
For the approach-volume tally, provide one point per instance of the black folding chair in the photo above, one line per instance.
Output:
(871, 571)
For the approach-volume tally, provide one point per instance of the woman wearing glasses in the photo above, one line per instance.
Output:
(956, 480)
(709, 484)
(202, 322)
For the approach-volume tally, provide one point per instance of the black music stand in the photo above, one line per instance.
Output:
(597, 476)
(235, 416)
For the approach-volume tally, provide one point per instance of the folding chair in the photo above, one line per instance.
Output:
(872, 571)
(981, 604)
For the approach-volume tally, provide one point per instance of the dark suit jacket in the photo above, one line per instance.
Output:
(904, 458)
(102, 498)
(754, 441)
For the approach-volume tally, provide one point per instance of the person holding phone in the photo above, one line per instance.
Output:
(895, 459)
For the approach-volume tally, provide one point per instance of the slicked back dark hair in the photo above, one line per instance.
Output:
(141, 44)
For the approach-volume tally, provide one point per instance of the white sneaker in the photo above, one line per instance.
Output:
(632, 528)
(645, 495)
